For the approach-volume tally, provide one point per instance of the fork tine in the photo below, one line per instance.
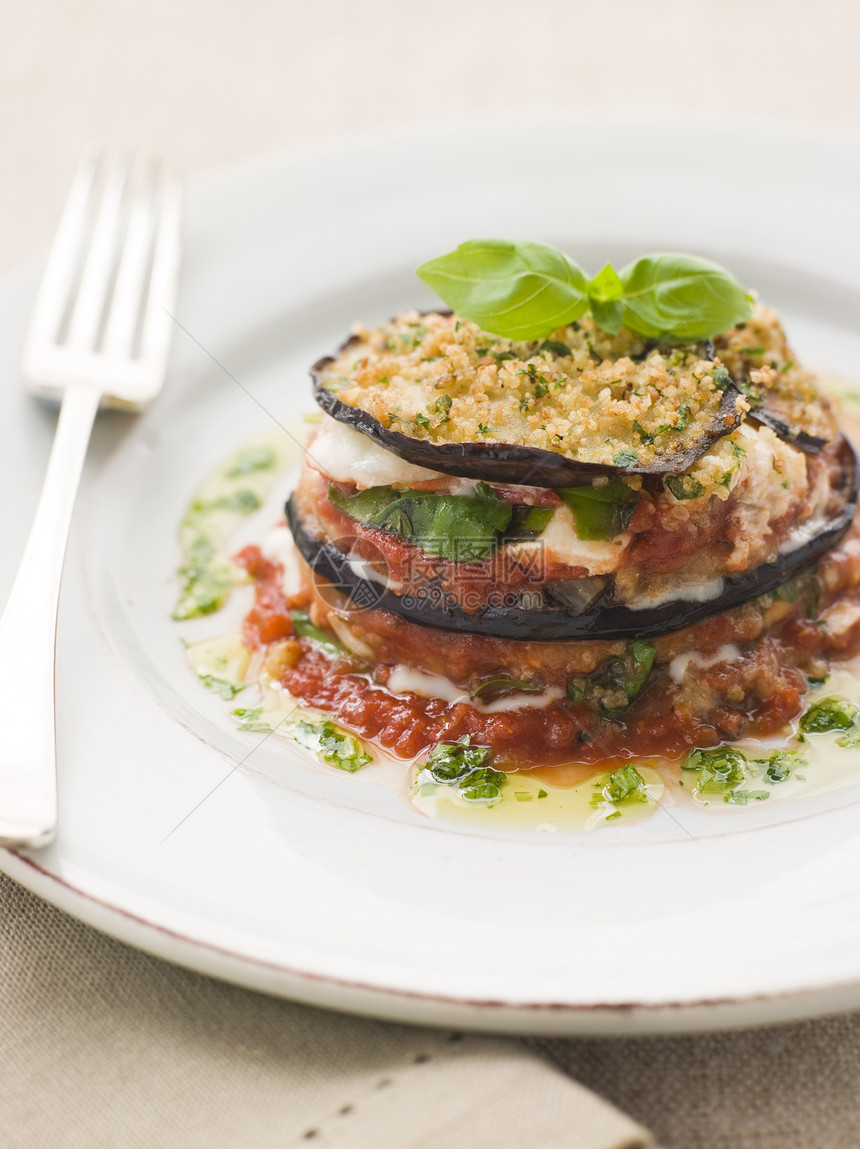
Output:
(158, 317)
(127, 300)
(99, 264)
(59, 275)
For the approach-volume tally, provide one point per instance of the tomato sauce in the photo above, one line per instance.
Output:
(660, 722)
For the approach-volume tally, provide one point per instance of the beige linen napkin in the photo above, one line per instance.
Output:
(102, 1047)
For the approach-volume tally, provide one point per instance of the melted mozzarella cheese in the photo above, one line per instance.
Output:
(678, 666)
(406, 680)
(560, 543)
(345, 455)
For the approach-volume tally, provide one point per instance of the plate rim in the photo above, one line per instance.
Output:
(373, 1000)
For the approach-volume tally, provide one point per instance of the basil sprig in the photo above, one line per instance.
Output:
(524, 291)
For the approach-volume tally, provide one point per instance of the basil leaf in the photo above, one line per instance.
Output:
(363, 505)
(516, 289)
(681, 296)
(497, 687)
(304, 628)
(528, 522)
(463, 528)
(604, 296)
(601, 512)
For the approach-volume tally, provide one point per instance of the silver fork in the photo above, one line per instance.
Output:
(99, 335)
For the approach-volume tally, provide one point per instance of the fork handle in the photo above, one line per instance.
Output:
(28, 632)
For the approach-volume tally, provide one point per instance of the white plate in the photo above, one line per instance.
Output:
(317, 885)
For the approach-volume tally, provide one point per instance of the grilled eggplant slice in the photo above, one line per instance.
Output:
(511, 463)
(598, 617)
(768, 416)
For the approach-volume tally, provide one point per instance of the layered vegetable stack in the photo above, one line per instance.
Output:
(592, 539)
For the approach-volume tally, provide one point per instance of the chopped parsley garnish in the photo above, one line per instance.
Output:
(465, 766)
(482, 785)
(251, 720)
(644, 435)
(781, 764)
(332, 745)
(624, 785)
(450, 761)
(626, 458)
(442, 407)
(254, 459)
(721, 768)
(554, 348)
(227, 690)
(721, 377)
(684, 486)
(830, 714)
(741, 797)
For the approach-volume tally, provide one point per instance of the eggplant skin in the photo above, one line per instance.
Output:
(601, 619)
(794, 436)
(507, 462)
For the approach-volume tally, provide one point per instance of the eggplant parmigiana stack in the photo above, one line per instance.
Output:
(575, 548)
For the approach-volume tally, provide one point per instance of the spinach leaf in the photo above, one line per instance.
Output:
(516, 289)
(601, 512)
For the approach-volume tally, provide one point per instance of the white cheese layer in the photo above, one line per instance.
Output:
(679, 666)
(345, 455)
(405, 680)
(560, 543)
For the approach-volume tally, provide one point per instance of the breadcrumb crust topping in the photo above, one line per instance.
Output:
(582, 393)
